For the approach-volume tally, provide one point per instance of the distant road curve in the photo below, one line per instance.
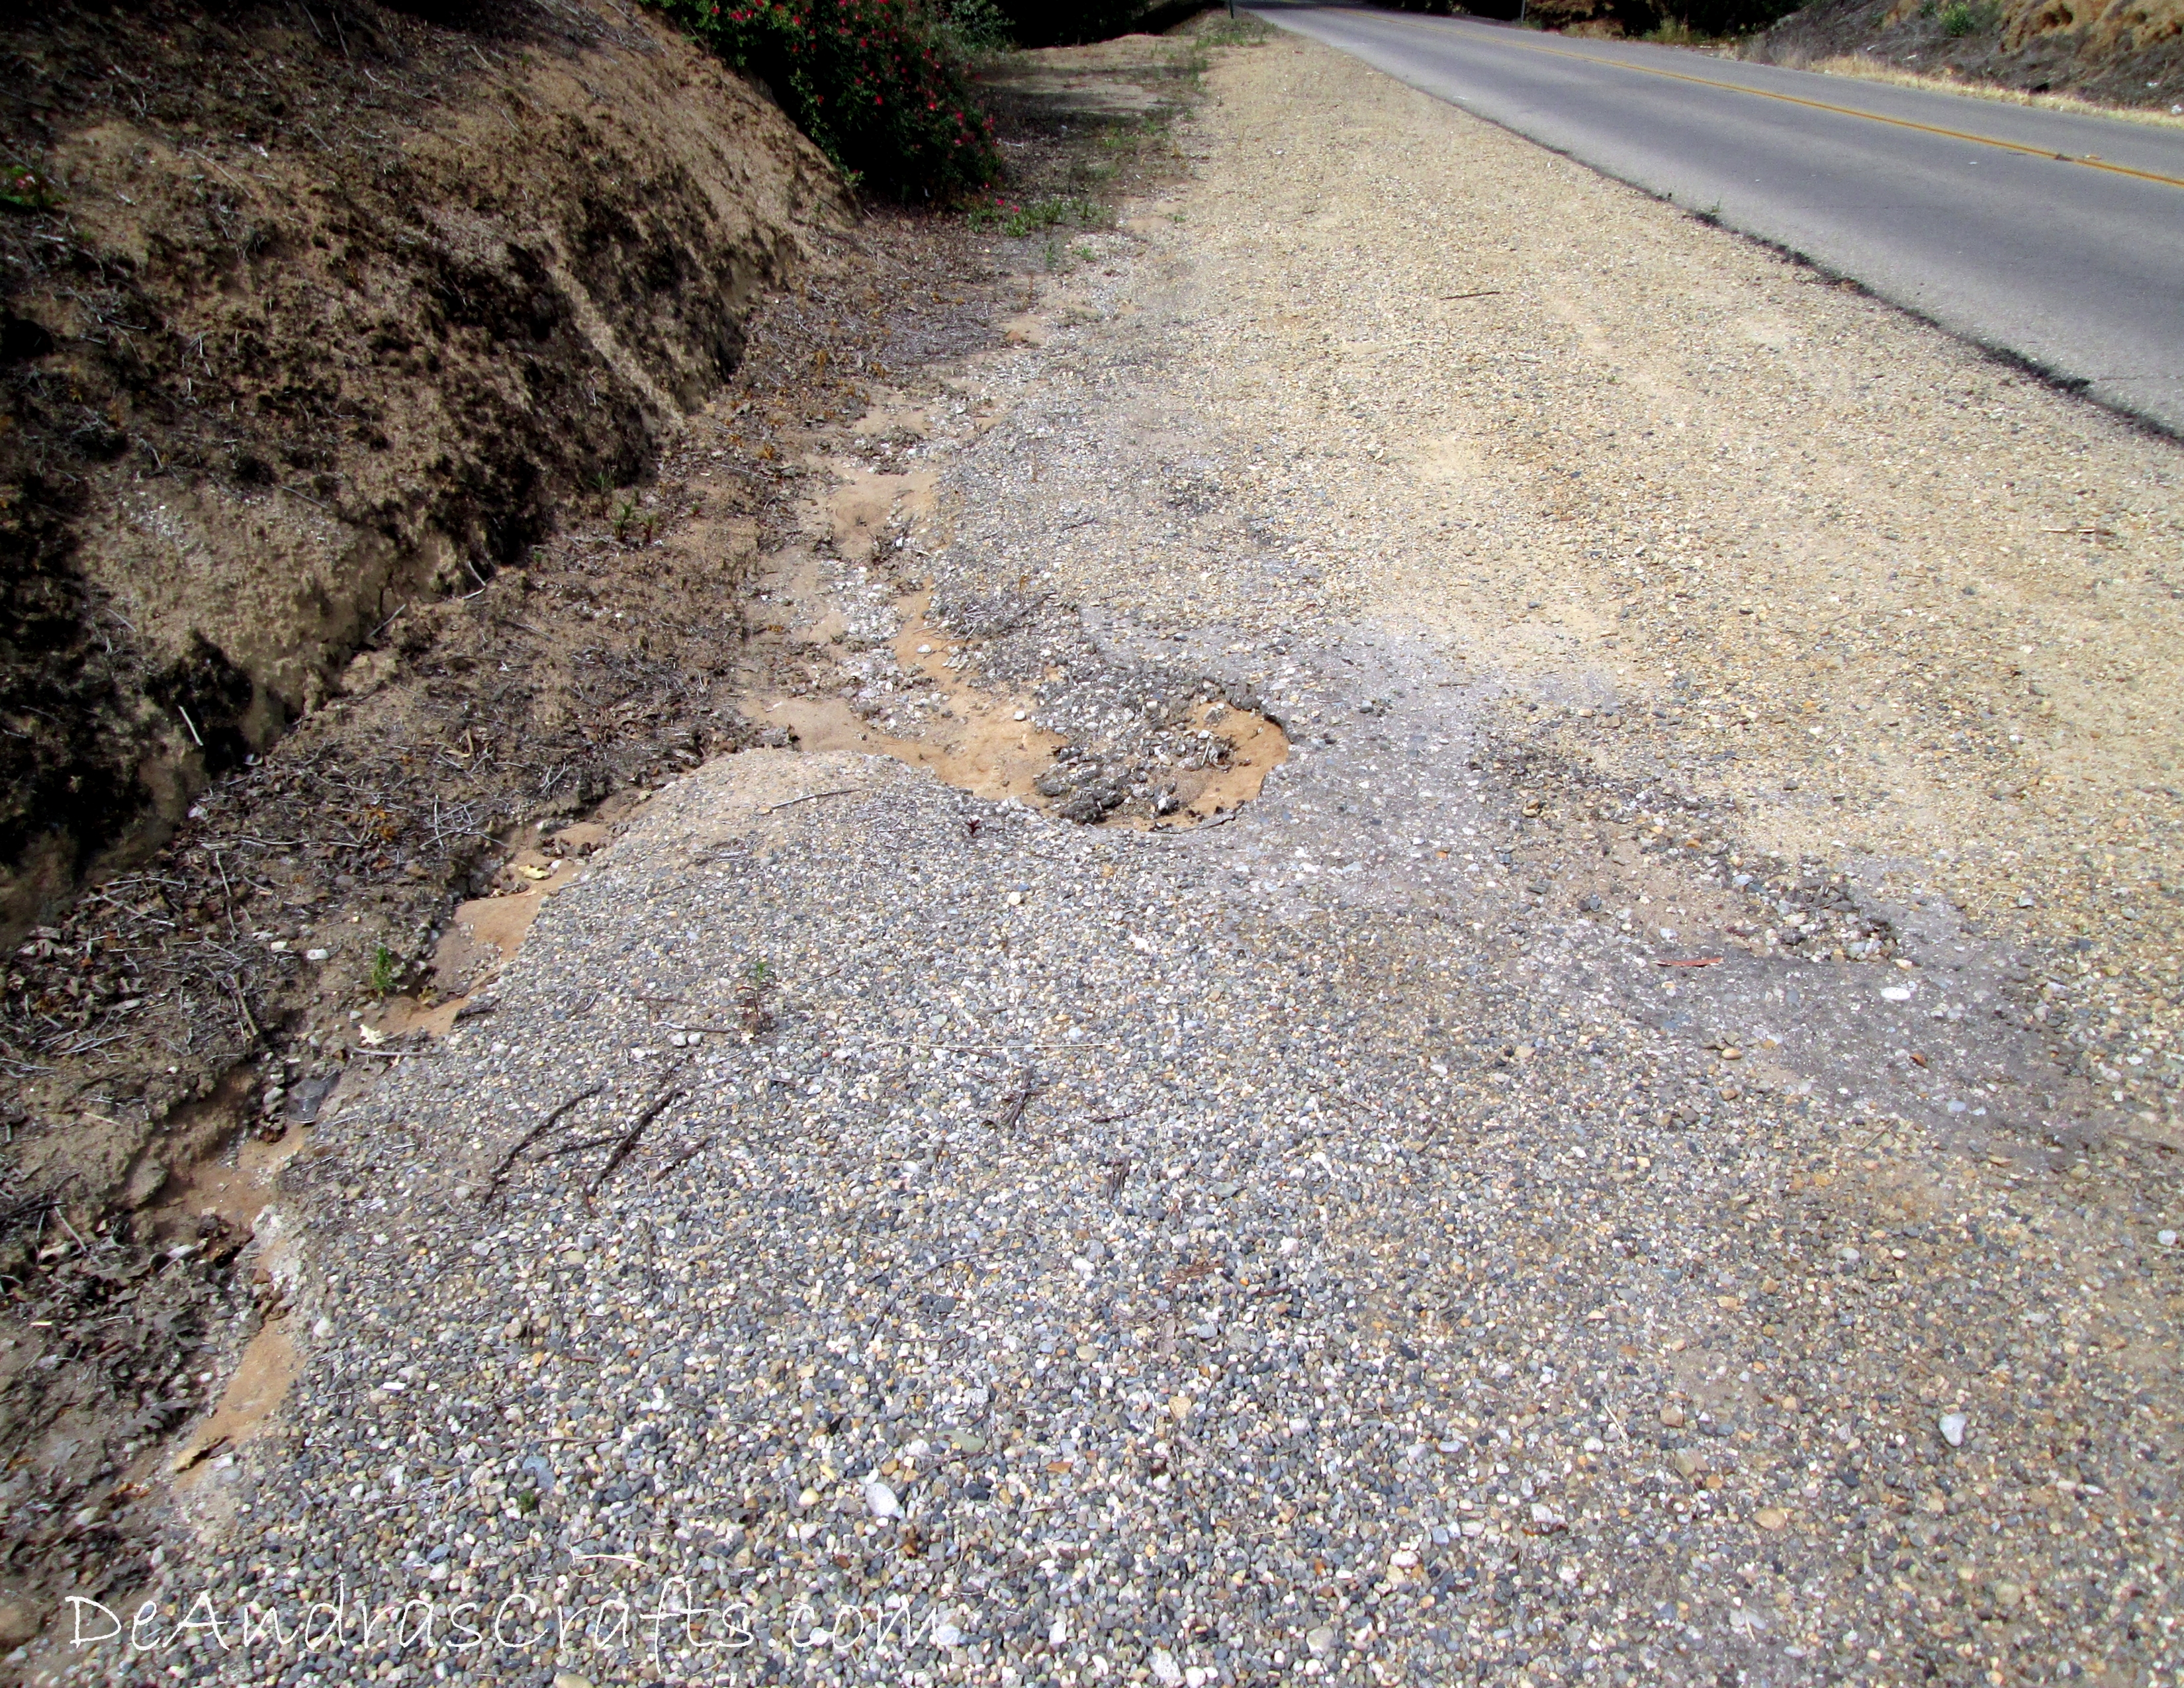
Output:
(2051, 238)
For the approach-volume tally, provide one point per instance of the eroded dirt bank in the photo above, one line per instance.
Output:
(318, 330)
(1614, 1164)
(303, 329)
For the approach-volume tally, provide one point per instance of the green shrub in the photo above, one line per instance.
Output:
(1968, 17)
(977, 27)
(880, 84)
(1016, 220)
(24, 188)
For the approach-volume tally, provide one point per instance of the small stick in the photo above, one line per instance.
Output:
(653, 1110)
(243, 1009)
(577, 1148)
(191, 725)
(530, 1137)
(768, 808)
(1702, 962)
(1483, 293)
(1013, 1111)
(70, 1229)
(228, 894)
(695, 1148)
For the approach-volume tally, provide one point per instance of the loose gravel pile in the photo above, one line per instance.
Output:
(1046, 1263)
(1488, 1209)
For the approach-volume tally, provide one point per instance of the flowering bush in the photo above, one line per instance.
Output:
(879, 84)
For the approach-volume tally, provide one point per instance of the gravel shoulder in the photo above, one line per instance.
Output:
(1590, 1170)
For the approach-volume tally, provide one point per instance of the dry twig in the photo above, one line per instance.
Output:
(529, 1137)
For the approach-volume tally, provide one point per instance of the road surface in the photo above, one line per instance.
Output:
(2042, 235)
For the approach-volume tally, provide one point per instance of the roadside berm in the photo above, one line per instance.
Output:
(1583, 1092)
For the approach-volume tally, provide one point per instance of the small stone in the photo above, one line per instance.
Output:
(1849, 1257)
(19, 1622)
(569, 1679)
(1952, 1429)
(947, 1635)
(315, 955)
(1770, 1518)
(1895, 993)
(1166, 1671)
(1672, 1417)
(1320, 1641)
(2007, 1594)
(880, 1499)
(145, 1184)
(2166, 1239)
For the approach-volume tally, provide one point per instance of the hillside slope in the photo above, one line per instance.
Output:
(306, 316)
(2125, 52)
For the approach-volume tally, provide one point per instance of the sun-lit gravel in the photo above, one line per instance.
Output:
(1518, 1203)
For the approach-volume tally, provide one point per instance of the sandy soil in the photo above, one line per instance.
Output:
(297, 341)
(174, 1036)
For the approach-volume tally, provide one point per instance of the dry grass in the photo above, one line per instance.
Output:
(1853, 65)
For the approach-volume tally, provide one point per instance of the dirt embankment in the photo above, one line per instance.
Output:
(310, 316)
(562, 601)
(2121, 53)
(339, 350)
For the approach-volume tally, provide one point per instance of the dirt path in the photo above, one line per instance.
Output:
(1530, 1188)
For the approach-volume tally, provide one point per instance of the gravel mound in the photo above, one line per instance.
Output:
(1018, 1251)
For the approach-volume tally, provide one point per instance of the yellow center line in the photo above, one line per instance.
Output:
(2086, 160)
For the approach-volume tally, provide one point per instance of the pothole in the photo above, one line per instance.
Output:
(1006, 696)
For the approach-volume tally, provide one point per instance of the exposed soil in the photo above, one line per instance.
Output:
(518, 623)
(2116, 52)
(1249, 504)
(298, 336)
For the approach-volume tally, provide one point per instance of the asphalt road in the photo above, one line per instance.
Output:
(2053, 237)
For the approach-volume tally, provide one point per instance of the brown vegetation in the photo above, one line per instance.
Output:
(2116, 52)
